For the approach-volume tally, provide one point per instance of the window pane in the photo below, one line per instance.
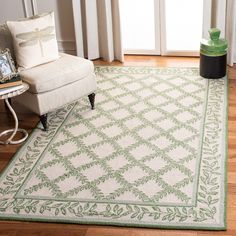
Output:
(138, 24)
(183, 24)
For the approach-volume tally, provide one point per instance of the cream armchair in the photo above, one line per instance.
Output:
(54, 84)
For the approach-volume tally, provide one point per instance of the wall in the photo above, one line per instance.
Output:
(16, 9)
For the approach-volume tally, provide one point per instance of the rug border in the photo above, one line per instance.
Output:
(217, 228)
(153, 67)
(97, 223)
(10, 163)
(226, 146)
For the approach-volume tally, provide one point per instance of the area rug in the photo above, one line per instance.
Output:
(151, 154)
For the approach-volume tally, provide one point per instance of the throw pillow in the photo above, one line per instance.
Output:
(34, 40)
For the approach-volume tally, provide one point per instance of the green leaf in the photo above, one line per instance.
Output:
(202, 201)
(27, 209)
(71, 210)
(213, 193)
(208, 214)
(157, 216)
(209, 198)
(202, 215)
(156, 208)
(144, 209)
(214, 201)
(213, 163)
(183, 218)
(119, 211)
(169, 211)
(94, 206)
(214, 188)
(34, 203)
(3, 203)
(165, 217)
(48, 203)
(214, 180)
(34, 209)
(79, 209)
(42, 209)
(140, 216)
(15, 171)
(213, 210)
(203, 188)
(108, 208)
(203, 195)
(115, 208)
(63, 211)
(184, 210)
(9, 178)
(19, 201)
(136, 209)
(134, 215)
(171, 217)
(16, 210)
(57, 211)
(2, 209)
(177, 211)
(86, 206)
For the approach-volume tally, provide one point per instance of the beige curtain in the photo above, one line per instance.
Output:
(231, 31)
(97, 29)
(222, 14)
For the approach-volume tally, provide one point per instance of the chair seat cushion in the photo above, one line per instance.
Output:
(65, 70)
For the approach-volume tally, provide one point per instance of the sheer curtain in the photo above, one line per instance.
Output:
(97, 29)
(222, 14)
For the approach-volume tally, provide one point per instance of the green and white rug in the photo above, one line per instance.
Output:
(151, 154)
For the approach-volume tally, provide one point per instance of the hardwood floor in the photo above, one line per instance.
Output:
(28, 121)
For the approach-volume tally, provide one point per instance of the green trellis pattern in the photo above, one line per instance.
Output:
(151, 154)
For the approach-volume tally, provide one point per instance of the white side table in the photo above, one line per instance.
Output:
(16, 129)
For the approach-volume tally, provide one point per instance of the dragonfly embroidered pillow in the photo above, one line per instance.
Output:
(34, 40)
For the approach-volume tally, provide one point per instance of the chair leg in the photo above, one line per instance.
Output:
(92, 99)
(43, 119)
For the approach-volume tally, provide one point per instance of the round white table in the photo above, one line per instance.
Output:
(16, 129)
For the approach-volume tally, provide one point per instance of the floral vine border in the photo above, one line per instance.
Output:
(147, 70)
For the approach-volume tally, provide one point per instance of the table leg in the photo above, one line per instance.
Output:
(13, 131)
(9, 100)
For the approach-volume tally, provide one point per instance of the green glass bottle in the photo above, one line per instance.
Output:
(213, 56)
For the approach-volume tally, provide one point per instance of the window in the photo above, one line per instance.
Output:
(164, 27)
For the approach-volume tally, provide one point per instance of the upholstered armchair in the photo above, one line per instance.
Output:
(53, 84)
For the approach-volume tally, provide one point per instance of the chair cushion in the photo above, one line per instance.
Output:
(65, 70)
